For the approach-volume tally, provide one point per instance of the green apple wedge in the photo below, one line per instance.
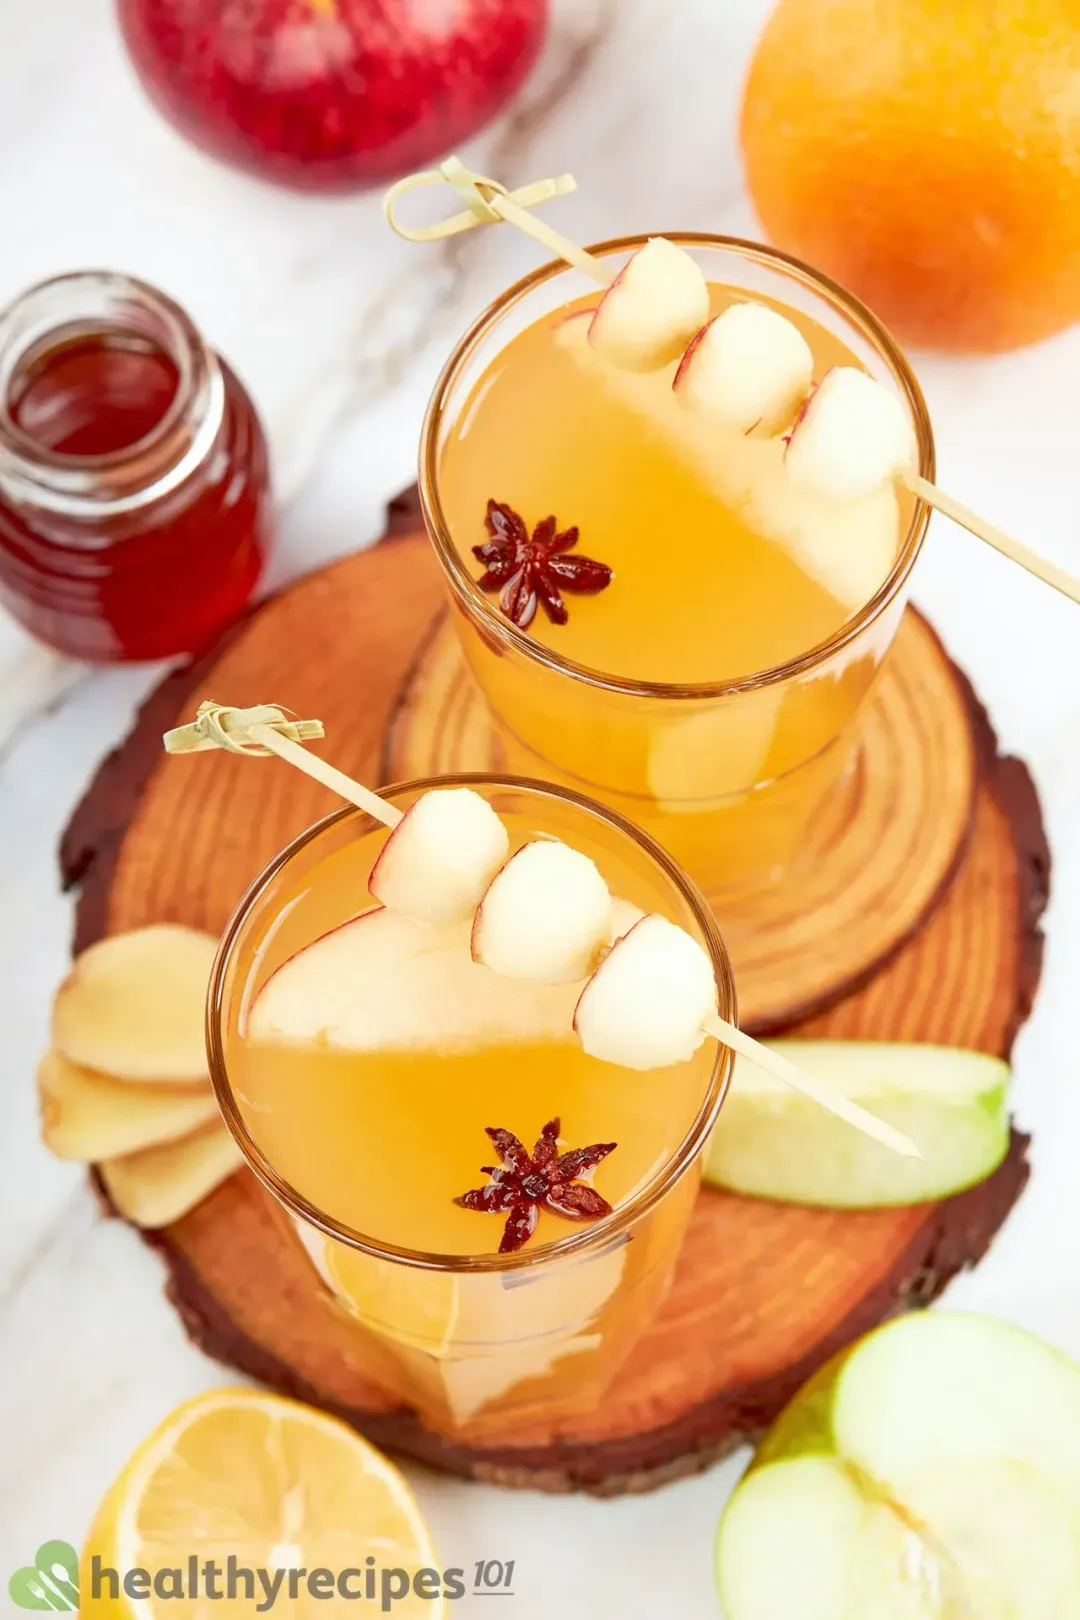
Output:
(931, 1472)
(772, 1143)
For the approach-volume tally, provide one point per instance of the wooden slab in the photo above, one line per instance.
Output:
(764, 1293)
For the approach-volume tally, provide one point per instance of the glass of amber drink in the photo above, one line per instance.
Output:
(709, 691)
(371, 1072)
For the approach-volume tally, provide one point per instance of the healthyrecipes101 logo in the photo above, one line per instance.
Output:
(50, 1582)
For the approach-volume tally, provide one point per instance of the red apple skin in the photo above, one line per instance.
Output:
(478, 915)
(373, 875)
(691, 349)
(575, 315)
(803, 408)
(599, 968)
(331, 95)
(618, 281)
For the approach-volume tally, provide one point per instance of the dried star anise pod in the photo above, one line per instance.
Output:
(526, 569)
(523, 1183)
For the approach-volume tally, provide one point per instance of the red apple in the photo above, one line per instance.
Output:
(331, 95)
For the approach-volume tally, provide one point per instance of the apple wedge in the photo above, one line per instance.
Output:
(714, 751)
(771, 1143)
(440, 858)
(652, 309)
(88, 1117)
(133, 1005)
(546, 915)
(383, 981)
(750, 369)
(932, 1472)
(852, 437)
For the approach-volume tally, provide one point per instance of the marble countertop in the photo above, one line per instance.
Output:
(339, 329)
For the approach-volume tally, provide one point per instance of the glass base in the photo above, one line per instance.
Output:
(472, 1351)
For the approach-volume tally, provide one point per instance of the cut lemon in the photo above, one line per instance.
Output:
(273, 1486)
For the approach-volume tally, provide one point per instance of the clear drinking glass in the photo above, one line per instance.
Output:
(471, 1340)
(727, 776)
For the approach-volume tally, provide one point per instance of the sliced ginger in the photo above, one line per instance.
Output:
(125, 1084)
(133, 1005)
(88, 1116)
(158, 1185)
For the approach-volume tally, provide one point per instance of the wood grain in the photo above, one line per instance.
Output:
(764, 1293)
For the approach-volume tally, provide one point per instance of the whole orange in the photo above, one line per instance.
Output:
(926, 153)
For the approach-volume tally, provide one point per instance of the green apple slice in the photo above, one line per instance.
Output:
(772, 1143)
(961, 1389)
(787, 1539)
(801, 1542)
(930, 1473)
(1004, 1539)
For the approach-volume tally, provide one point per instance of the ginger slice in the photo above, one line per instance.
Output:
(133, 1005)
(158, 1185)
(88, 1116)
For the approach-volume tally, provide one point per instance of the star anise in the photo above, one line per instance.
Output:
(538, 568)
(523, 1183)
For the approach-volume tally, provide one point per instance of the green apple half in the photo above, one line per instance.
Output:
(772, 1143)
(932, 1472)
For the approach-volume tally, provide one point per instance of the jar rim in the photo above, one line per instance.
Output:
(85, 302)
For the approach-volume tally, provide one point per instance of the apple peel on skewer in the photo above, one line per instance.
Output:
(749, 368)
(652, 310)
(624, 979)
(441, 857)
(566, 907)
(638, 295)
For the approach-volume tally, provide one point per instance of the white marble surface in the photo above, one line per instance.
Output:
(339, 329)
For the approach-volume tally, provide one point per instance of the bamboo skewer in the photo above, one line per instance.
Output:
(487, 203)
(1059, 579)
(514, 214)
(270, 730)
(335, 780)
(781, 1068)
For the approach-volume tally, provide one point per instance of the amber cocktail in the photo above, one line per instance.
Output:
(372, 1072)
(708, 692)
